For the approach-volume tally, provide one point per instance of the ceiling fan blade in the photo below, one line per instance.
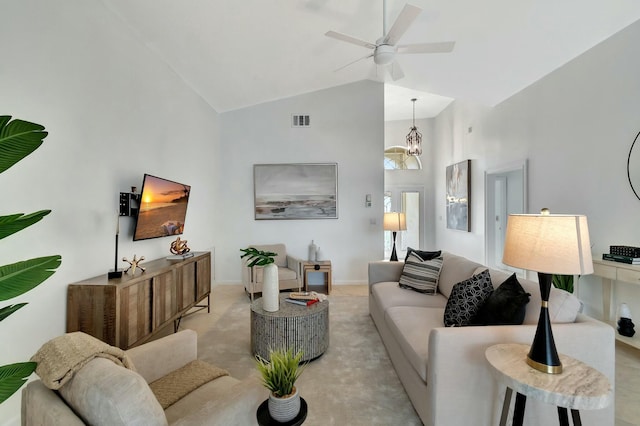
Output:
(408, 14)
(349, 39)
(353, 62)
(442, 47)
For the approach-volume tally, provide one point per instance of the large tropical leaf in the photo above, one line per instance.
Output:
(17, 222)
(20, 277)
(18, 138)
(13, 376)
(8, 310)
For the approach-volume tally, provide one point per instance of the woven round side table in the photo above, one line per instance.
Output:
(293, 326)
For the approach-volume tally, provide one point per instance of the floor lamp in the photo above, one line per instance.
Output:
(394, 222)
(547, 244)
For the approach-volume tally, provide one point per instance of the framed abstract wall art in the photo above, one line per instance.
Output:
(458, 195)
(295, 191)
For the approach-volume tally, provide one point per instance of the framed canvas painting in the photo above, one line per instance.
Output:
(458, 195)
(295, 191)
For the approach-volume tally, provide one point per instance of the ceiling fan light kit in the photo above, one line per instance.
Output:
(386, 47)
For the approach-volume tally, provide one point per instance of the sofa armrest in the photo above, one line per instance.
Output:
(384, 271)
(160, 357)
(295, 264)
(43, 406)
(457, 361)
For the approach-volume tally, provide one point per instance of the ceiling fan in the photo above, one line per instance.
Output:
(386, 47)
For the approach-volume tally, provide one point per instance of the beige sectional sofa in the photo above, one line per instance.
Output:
(444, 370)
(104, 393)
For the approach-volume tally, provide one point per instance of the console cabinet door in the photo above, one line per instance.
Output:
(203, 278)
(187, 285)
(135, 313)
(165, 299)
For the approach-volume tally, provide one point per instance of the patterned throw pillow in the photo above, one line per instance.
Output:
(421, 275)
(424, 255)
(466, 299)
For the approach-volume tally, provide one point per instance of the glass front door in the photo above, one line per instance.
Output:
(408, 201)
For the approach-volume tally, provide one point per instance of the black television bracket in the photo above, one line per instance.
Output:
(129, 203)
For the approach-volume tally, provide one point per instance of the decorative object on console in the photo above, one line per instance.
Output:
(133, 264)
(116, 273)
(179, 247)
(18, 139)
(414, 138)
(548, 244)
(270, 287)
(625, 323)
(279, 375)
(394, 222)
(458, 195)
(295, 191)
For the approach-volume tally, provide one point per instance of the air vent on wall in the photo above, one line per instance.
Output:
(300, 120)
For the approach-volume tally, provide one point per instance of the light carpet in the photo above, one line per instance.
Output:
(352, 383)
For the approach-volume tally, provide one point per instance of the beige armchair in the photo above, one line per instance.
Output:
(289, 270)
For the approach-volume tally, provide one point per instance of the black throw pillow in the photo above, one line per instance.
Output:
(466, 298)
(505, 306)
(424, 255)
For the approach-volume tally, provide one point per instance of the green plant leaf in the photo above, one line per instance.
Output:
(8, 310)
(17, 222)
(13, 376)
(563, 282)
(18, 138)
(20, 277)
(258, 257)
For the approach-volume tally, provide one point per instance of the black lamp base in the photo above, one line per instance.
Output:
(543, 355)
(394, 255)
(114, 274)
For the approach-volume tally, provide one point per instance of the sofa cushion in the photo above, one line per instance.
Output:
(420, 275)
(424, 255)
(411, 326)
(505, 305)
(388, 294)
(466, 299)
(454, 269)
(103, 393)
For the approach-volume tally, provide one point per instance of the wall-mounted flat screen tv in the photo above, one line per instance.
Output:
(163, 208)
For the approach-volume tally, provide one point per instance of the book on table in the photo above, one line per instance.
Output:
(301, 302)
(303, 295)
(621, 258)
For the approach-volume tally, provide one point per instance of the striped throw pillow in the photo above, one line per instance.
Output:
(421, 275)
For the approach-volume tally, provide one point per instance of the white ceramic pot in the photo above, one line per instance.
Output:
(270, 288)
(284, 409)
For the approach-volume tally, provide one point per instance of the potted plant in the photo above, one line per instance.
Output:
(563, 282)
(270, 287)
(279, 375)
(18, 139)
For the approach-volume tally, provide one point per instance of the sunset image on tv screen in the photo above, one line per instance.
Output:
(163, 208)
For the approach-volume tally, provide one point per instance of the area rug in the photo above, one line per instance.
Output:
(352, 383)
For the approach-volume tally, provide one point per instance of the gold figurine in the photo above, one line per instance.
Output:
(133, 264)
(179, 246)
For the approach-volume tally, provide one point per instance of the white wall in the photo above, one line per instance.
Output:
(346, 128)
(576, 127)
(113, 112)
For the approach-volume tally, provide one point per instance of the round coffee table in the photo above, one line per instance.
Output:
(292, 326)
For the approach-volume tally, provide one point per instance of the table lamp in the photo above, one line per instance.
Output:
(548, 244)
(394, 222)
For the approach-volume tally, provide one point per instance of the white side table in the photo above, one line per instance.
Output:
(578, 387)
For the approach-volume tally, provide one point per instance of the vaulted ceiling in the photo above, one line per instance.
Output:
(237, 53)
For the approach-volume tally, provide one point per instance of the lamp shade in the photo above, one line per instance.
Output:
(395, 222)
(551, 244)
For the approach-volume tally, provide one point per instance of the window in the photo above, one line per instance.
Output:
(396, 158)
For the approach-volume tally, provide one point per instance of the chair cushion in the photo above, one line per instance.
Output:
(466, 299)
(284, 274)
(420, 275)
(103, 393)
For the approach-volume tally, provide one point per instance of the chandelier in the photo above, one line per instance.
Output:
(414, 138)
